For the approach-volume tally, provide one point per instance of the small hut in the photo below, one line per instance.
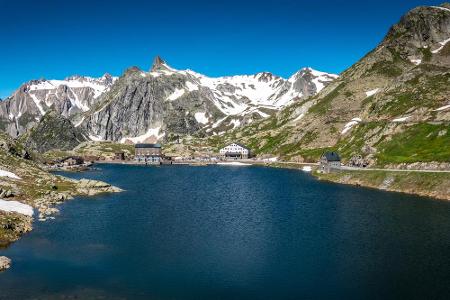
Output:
(329, 161)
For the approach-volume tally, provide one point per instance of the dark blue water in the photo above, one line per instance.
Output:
(183, 232)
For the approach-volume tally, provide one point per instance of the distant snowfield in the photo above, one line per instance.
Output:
(83, 82)
(15, 206)
(4, 173)
(234, 95)
(40, 90)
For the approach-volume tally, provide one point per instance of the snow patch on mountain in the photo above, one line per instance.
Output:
(402, 119)
(416, 61)
(443, 43)
(151, 133)
(4, 173)
(95, 138)
(442, 108)
(233, 95)
(97, 85)
(372, 92)
(349, 125)
(17, 207)
(441, 8)
(176, 94)
(201, 117)
(38, 103)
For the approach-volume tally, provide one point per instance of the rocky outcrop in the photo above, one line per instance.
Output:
(47, 203)
(53, 132)
(69, 97)
(6, 193)
(92, 187)
(5, 263)
(13, 226)
(435, 185)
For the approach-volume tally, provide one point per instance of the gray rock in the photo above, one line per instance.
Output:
(5, 263)
(54, 132)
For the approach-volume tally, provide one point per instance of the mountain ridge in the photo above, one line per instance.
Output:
(232, 100)
(393, 98)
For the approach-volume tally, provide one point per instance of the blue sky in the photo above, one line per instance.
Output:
(54, 39)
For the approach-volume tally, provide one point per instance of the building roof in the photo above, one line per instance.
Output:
(72, 157)
(238, 145)
(331, 156)
(147, 146)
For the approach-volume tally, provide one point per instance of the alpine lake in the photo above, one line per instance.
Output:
(230, 232)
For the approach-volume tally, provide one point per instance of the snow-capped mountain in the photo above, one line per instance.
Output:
(33, 99)
(155, 104)
(165, 101)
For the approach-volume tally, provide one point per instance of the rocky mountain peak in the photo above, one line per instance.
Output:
(132, 70)
(266, 76)
(107, 78)
(53, 132)
(422, 27)
(158, 64)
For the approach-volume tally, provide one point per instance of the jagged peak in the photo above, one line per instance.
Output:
(159, 64)
(312, 72)
(266, 76)
(158, 61)
(421, 27)
(132, 69)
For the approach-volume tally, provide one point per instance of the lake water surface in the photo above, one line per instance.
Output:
(222, 232)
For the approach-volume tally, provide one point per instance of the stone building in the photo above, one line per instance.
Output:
(235, 151)
(73, 161)
(148, 153)
(329, 161)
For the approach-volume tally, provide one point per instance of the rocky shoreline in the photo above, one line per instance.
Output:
(47, 204)
(13, 225)
(432, 185)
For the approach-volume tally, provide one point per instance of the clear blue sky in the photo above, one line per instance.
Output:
(55, 39)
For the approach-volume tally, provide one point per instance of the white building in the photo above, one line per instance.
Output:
(235, 151)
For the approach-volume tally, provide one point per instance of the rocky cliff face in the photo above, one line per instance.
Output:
(53, 132)
(390, 107)
(32, 100)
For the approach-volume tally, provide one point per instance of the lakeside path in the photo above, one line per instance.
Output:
(393, 170)
(279, 163)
